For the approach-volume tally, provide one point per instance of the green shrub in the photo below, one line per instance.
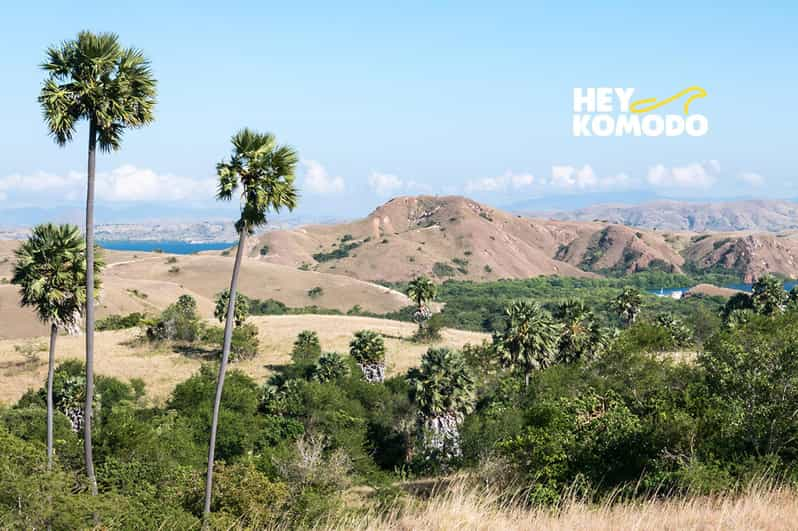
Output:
(307, 348)
(180, 321)
(330, 366)
(336, 254)
(430, 331)
(315, 292)
(238, 422)
(240, 311)
(750, 378)
(242, 497)
(121, 322)
(441, 269)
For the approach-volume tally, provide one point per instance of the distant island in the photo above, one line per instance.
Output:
(196, 232)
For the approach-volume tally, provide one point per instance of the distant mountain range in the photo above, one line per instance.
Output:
(194, 232)
(749, 215)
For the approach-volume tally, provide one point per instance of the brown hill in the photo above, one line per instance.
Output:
(616, 248)
(749, 254)
(455, 237)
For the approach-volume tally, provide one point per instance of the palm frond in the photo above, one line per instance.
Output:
(265, 173)
(93, 78)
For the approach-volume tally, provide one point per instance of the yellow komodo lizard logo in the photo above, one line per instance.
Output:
(649, 104)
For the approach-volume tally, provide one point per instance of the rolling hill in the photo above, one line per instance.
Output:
(148, 282)
(748, 254)
(456, 237)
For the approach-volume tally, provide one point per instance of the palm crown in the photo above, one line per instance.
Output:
(264, 171)
(241, 311)
(367, 347)
(421, 290)
(628, 303)
(442, 385)
(93, 78)
(51, 273)
(582, 337)
(530, 338)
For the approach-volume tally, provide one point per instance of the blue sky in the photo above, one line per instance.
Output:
(385, 99)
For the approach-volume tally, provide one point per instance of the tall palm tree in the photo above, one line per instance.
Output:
(529, 341)
(582, 337)
(367, 348)
(94, 78)
(264, 172)
(421, 290)
(627, 304)
(443, 392)
(50, 271)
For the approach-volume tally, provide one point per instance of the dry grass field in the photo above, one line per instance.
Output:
(763, 508)
(148, 282)
(118, 353)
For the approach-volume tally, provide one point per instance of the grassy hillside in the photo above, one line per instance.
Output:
(161, 368)
(148, 282)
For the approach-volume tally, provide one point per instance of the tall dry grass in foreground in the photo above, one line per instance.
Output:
(759, 508)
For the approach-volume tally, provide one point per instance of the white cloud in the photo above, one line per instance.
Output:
(39, 182)
(501, 183)
(521, 180)
(126, 183)
(752, 179)
(694, 175)
(487, 184)
(319, 181)
(569, 177)
(563, 178)
(385, 183)
(585, 178)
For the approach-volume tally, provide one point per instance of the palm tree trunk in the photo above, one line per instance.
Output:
(228, 336)
(50, 376)
(87, 410)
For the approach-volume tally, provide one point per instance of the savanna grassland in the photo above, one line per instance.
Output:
(439, 364)
(162, 367)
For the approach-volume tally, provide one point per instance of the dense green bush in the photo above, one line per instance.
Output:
(307, 348)
(244, 344)
(628, 419)
(239, 424)
(180, 321)
(751, 378)
(120, 322)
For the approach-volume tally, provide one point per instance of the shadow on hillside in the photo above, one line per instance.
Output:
(198, 352)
